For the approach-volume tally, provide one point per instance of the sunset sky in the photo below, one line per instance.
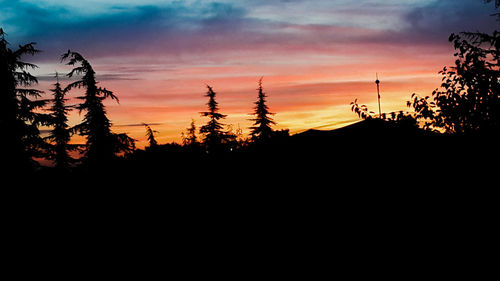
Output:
(315, 56)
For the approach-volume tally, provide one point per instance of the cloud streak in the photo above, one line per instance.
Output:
(206, 26)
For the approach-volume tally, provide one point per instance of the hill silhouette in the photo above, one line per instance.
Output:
(370, 129)
(383, 149)
(365, 139)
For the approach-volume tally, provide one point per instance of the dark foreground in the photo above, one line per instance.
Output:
(368, 200)
(370, 154)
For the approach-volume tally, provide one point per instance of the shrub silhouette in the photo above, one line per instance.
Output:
(361, 110)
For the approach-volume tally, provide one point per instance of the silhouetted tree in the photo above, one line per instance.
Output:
(213, 134)
(19, 118)
(398, 119)
(102, 145)
(469, 98)
(361, 110)
(150, 134)
(234, 138)
(261, 130)
(61, 132)
(190, 138)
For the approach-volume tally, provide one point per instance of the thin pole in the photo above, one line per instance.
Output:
(378, 93)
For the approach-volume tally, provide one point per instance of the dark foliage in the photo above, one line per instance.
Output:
(468, 101)
(61, 132)
(19, 107)
(150, 134)
(466, 106)
(189, 138)
(361, 110)
(214, 136)
(102, 145)
(261, 129)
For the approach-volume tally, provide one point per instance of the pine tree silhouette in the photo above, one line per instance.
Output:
(19, 118)
(261, 130)
(61, 132)
(102, 145)
(212, 131)
(150, 134)
(190, 138)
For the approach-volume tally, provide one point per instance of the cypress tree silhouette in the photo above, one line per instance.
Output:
(212, 131)
(261, 130)
(61, 132)
(19, 119)
(102, 145)
(150, 134)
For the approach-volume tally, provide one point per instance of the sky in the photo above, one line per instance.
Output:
(315, 57)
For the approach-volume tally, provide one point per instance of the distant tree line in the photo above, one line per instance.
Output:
(467, 103)
(23, 111)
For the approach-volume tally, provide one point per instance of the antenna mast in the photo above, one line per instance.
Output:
(378, 93)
